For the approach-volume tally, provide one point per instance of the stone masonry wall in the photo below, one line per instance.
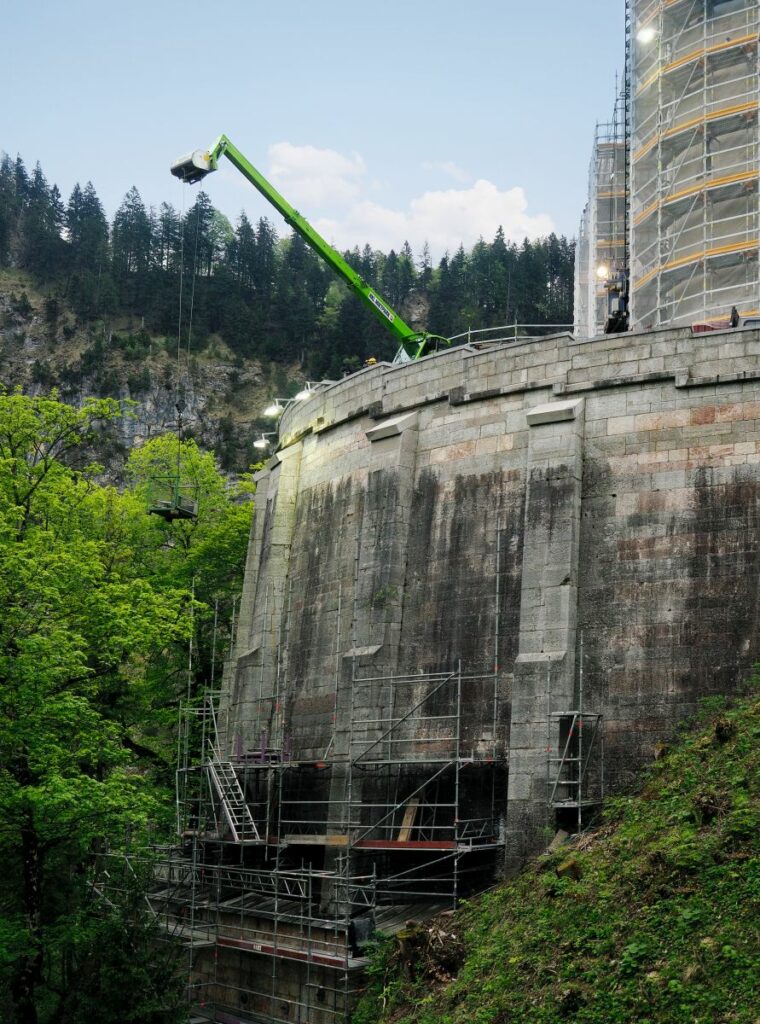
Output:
(500, 508)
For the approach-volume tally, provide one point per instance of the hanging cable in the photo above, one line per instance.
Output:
(213, 642)
(180, 403)
(192, 638)
(181, 281)
(178, 398)
(192, 290)
(176, 504)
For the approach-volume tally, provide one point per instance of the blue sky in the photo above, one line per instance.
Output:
(379, 122)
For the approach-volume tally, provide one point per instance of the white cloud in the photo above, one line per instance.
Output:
(306, 174)
(323, 179)
(444, 219)
(449, 168)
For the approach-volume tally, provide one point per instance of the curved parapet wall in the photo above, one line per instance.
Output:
(535, 513)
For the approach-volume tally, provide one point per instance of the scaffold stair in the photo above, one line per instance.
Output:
(237, 813)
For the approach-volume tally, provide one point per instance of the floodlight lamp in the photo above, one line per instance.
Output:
(274, 409)
(303, 395)
(603, 271)
(261, 442)
(646, 34)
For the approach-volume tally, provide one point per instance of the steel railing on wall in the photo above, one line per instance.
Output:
(509, 333)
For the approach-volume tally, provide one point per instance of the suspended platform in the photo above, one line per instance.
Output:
(173, 500)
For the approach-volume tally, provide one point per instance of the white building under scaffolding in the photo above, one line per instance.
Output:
(694, 230)
(601, 249)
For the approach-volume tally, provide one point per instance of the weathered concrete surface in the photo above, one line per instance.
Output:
(544, 674)
(438, 512)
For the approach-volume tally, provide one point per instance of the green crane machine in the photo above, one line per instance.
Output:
(196, 165)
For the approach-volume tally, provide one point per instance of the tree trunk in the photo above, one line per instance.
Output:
(29, 969)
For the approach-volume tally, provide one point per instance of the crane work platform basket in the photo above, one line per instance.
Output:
(171, 499)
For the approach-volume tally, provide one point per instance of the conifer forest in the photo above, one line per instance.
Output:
(269, 297)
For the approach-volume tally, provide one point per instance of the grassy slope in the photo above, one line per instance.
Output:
(660, 926)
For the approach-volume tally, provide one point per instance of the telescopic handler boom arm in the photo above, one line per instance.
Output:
(197, 165)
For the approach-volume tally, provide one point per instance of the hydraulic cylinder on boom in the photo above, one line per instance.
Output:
(195, 166)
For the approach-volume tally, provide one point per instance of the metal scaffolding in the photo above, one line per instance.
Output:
(309, 822)
(583, 270)
(601, 251)
(695, 223)
(293, 862)
(243, 928)
(575, 758)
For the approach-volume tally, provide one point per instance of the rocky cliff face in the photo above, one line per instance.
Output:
(42, 346)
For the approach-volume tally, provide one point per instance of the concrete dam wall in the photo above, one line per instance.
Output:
(480, 587)
(492, 508)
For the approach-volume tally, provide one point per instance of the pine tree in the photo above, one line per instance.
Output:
(198, 242)
(499, 309)
(9, 208)
(40, 243)
(132, 242)
(459, 288)
(368, 264)
(266, 265)
(300, 296)
(390, 280)
(87, 229)
(167, 239)
(425, 266)
(22, 181)
(241, 254)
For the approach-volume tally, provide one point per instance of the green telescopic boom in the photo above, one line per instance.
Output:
(197, 165)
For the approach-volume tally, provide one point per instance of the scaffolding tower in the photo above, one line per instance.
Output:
(287, 864)
(601, 253)
(575, 759)
(694, 218)
(583, 270)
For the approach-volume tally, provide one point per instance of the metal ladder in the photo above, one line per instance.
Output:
(234, 805)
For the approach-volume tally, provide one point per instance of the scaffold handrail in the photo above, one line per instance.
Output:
(405, 717)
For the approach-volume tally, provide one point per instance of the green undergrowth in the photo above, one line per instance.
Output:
(652, 919)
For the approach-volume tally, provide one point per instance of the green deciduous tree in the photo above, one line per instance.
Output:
(82, 624)
(206, 555)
